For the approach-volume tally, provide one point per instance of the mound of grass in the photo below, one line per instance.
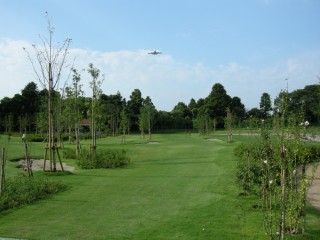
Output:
(22, 190)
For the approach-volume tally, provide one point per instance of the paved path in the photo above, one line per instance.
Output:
(313, 195)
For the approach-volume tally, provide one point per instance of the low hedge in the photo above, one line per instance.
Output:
(250, 168)
(21, 189)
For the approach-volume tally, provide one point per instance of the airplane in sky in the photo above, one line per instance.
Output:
(155, 52)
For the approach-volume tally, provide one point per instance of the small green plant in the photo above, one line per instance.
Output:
(103, 159)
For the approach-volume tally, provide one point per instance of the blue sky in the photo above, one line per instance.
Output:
(248, 46)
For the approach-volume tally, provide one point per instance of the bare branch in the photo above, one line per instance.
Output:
(34, 69)
(47, 55)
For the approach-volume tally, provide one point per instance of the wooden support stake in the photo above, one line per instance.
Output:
(45, 158)
(55, 150)
(3, 163)
(60, 160)
(27, 159)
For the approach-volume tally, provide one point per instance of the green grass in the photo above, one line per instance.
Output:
(182, 188)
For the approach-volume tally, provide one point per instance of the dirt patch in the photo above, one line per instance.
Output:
(38, 165)
(313, 195)
(214, 139)
(310, 137)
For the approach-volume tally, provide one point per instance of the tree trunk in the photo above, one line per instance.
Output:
(304, 197)
(283, 192)
(70, 137)
(149, 128)
(93, 127)
(3, 163)
(50, 122)
(27, 159)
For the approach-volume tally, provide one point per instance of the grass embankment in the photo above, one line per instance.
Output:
(182, 188)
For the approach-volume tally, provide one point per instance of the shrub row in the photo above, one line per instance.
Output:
(104, 159)
(250, 169)
(21, 189)
(42, 137)
(307, 153)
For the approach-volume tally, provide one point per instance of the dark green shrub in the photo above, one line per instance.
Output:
(22, 189)
(36, 138)
(104, 159)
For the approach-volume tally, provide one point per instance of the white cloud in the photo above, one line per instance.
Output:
(163, 78)
(13, 69)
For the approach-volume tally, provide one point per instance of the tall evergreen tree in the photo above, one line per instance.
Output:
(237, 109)
(134, 107)
(31, 104)
(265, 105)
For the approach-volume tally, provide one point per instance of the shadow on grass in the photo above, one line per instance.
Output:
(57, 173)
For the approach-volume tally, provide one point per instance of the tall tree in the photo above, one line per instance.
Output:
(31, 102)
(217, 103)
(124, 123)
(182, 116)
(265, 105)
(146, 117)
(48, 65)
(193, 108)
(113, 105)
(17, 110)
(237, 109)
(95, 85)
(202, 121)
(306, 100)
(134, 107)
(71, 106)
(228, 125)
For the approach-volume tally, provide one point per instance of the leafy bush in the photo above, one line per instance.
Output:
(249, 171)
(22, 189)
(104, 159)
(309, 154)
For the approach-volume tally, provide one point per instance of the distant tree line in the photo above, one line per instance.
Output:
(27, 111)
(303, 102)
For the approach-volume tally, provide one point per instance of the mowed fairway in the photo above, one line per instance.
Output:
(181, 188)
